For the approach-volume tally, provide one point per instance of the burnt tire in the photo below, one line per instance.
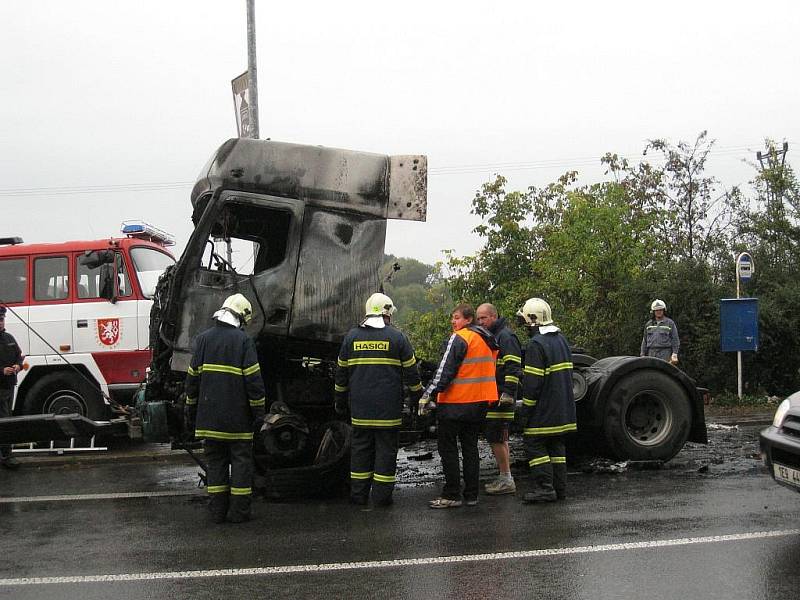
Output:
(327, 477)
(63, 394)
(647, 417)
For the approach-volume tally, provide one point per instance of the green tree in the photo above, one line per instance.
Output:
(771, 233)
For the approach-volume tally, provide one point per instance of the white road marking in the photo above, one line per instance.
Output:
(407, 562)
(117, 496)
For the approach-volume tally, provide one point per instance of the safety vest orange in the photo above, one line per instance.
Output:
(475, 380)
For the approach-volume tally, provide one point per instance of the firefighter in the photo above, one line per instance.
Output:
(660, 337)
(462, 388)
(548, 402)
(11, 364)
(509, 375)
(374, 361)
(225, 404)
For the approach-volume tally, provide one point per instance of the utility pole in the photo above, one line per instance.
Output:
(251, 66)
(771, 156)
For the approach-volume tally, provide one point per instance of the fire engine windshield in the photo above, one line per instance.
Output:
(149, 264)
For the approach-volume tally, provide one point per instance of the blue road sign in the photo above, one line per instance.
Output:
(738, 320)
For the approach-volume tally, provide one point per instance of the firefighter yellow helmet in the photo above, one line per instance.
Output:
(658, 305)
(239, 306)
(379, 304)
(536, 311)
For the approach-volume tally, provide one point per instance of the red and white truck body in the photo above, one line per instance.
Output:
(72, 320)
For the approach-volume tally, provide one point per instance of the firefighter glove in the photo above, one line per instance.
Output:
(673, 359)
(506, 399)
(426, 405)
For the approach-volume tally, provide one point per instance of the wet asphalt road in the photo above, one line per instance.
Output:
(713, 525)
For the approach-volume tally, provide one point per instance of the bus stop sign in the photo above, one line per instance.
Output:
(738, 319)
(744, 267)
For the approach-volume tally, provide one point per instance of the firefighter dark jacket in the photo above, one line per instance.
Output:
(509, 368)
(547, 397)
(373, 364)
(464, 383)
(224, 383)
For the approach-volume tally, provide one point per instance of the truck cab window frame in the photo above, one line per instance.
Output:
(51, 278)
(14, 275)
(87, 279)
(258, 237)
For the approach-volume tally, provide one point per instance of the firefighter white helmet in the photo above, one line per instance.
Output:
(658, 305)
(379, 304)
(536, 311)
(239, 306)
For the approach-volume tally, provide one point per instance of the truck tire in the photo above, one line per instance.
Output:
(647, 417)
(327, 477)
(65, 393)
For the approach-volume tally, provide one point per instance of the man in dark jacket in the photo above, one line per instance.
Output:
(498, 417)
(11, 364)
(225, 402)
(463, 386)
(374, 361)
(548, 402)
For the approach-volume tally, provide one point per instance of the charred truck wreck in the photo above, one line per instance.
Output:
(314, 219)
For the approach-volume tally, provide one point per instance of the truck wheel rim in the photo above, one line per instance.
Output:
(579, 385)
(648, 419)
(64, 402)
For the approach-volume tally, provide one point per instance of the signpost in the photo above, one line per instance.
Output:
(744, 272)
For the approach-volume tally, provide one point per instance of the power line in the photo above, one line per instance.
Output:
(559, 163)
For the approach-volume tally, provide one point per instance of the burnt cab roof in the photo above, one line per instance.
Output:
(378, 185)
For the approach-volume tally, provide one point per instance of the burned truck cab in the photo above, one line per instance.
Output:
(300, 231)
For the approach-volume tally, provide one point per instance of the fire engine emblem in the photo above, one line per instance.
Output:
(108, 331)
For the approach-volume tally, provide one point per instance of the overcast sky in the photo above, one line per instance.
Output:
(99, 98)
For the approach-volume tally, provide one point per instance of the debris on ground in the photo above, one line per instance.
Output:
(425, 456)
(604, 465)
(731, 449)
(721, 427)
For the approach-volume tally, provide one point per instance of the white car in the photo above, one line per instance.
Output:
(780, 443)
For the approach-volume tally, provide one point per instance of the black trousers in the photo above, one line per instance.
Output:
(6, 395)
(547, 458)
(230, 494)
(373, 463)
(450, 434)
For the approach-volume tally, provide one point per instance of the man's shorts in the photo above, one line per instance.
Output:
(495, 431)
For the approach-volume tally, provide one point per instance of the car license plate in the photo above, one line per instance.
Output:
(787, 475)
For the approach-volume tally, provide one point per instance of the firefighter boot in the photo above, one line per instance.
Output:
(240, 509)
(218, 507)
(540, 495)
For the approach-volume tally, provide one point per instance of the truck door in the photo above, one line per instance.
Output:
(50, 312)
(99, 325)
(261, 263)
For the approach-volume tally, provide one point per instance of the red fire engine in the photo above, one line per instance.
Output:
(80, 311)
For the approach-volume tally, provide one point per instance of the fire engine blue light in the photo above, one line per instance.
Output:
(146, 231)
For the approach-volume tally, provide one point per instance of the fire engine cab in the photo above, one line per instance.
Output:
(80, 311)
